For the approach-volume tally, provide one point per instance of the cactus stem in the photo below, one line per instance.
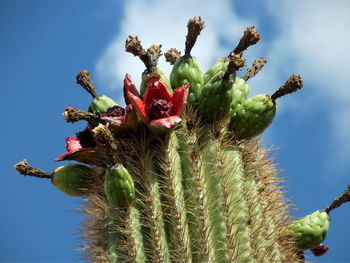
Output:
(194, 26)
(249, 38)
(172, 192)
(293, 84)
(343, 198)
(195, 188)
(148, 201)
(254, 69)
(72, 115)
(172, 55)
(83, 79)
(24, 168)
(120, 235)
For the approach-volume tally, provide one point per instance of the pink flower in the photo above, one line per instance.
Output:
(158, 108)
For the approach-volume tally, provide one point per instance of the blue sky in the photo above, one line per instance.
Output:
(45, 43)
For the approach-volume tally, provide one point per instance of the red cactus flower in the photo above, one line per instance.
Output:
(158, 108)
(82, 149)
(319, 250)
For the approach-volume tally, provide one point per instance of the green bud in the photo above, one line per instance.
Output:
(145, 77)
(220, 65)
(310, 230)
(73, 179)
(186, 70)
(253, 116)
(102, 103)
(216, 97)
(119, 186)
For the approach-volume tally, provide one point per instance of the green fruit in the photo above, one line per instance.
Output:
(119, 186)
(253, 116)
(216, 97)
(240, 92)
(220, 65)
(310, 230)
(73, 179)
(145, 77)
(102, 103)
(186, 70)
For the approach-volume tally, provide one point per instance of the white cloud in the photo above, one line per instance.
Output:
(314, 41)
(165, 22)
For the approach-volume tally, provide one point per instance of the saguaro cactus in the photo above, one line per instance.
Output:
(165, 181)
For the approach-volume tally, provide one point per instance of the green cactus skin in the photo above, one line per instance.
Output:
(253, 116)
(216, 97)
(73, 179)
(220, 65)
(186, 70)
(119, 186)
(163, 78)
(310, 230)
(240, 92)
(172, 195)
(101, 104)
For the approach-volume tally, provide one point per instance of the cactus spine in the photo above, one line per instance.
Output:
(171, 182)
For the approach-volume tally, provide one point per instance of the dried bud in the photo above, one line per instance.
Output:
(194, 26)
(293, 84)
(249, 38)
(83, 79)
(172, 55)
(254, 69)
(133, 46)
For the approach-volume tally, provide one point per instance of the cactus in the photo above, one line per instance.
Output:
(179, 175)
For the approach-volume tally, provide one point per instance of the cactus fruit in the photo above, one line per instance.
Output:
(72, 179)
(310, 230)
(119, 186)
(99, 104)
(178, 175)
(186, 69)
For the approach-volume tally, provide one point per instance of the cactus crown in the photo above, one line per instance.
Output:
(179, 174)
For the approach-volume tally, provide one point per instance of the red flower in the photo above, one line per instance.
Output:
(158, 108)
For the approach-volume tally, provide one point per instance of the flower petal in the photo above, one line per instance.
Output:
(85, 155)
(166, 123)
(73, 144)
(139, 106)
(156, 89)
(179, 99)
(129, 86)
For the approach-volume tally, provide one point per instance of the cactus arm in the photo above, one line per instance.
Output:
(235, 207)
(114, 225)
(148, 203)
(213, 189)
(196, 201)
(173, 202)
